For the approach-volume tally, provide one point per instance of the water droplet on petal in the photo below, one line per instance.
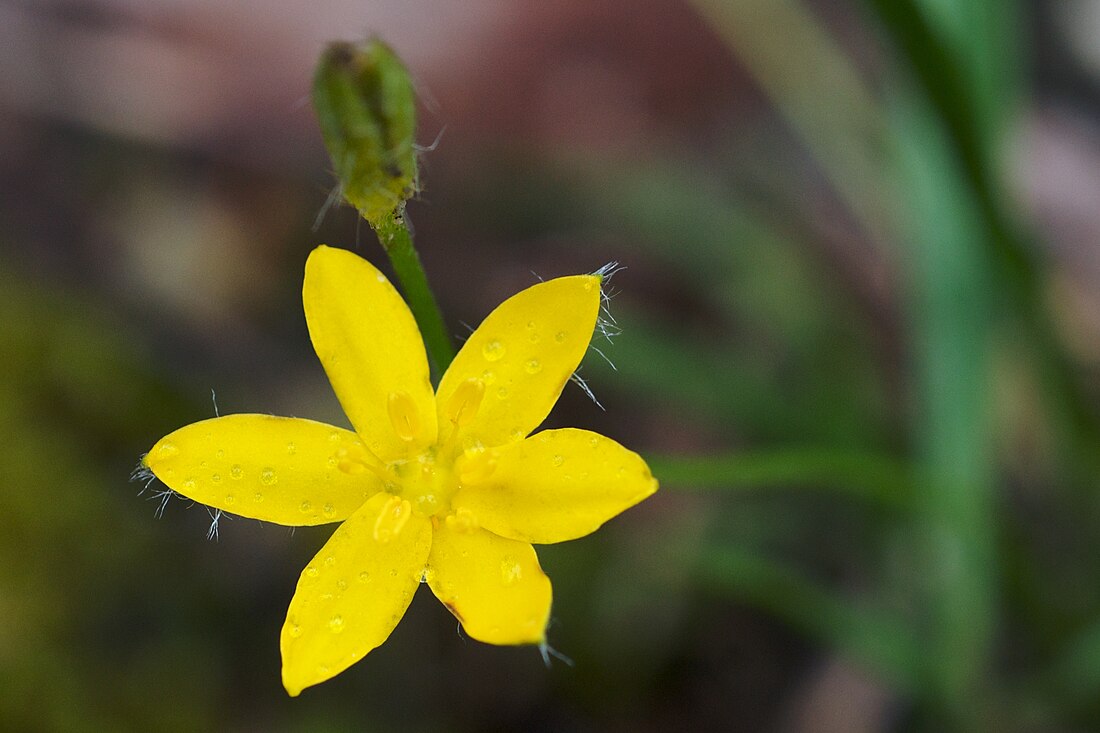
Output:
(268, 476)
(560, 337)
(236, 471)
(312, 571)
(330, 561)
(305, 507)
(509, 570)
(502, 392)
(328, 510)
(334, 437)
(594, 442)
(558, 460)
(230, 499)
(258, 498)
(220, 453)
(291, 448)
(533, 366)
(488, 376)
(342, 584)
(216, 478)
(167, 449)
(189, 484)
(493, 350)
(364, 577)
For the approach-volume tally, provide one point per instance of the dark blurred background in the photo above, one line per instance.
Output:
(860, 348)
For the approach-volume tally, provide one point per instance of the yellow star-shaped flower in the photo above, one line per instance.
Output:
(443, 486)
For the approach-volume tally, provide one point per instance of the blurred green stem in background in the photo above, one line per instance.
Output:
(874, 478)
(366, 107)
(819, 92)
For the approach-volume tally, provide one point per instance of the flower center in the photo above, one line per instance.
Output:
(428, 480)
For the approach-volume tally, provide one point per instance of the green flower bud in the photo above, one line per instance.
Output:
(366, 105)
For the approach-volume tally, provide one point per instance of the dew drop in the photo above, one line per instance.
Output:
(291, 448)
(305, 507)
(380, 278)
(334, 437)
(330, 561)
(427, 504)
(502, 392)
(393, 573)
(236, 471)
(268, 476)
(329, 511)
(364, 577)
(220, 453)
(594, 442)
(558, 460)
(216, 478)
(510, 571)
(533, 366)
(560, 337)
(530, 325)
(258, 498)
(342, 584)
(168, 449)
(203, 464)
(488, 376)
(493, 350)
(312, 571)
(230, 499)
(189, 484)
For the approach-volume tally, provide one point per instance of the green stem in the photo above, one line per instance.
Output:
(871, 477)
(393, 233)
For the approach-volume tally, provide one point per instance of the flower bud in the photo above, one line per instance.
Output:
(366, 106)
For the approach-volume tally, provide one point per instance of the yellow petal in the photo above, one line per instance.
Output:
(523, 353)
(278, 469)
(494, 586)
(557, 485)
(354, 591)
(371, 349)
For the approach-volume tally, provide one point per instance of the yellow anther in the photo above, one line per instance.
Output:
(464, 402)
(462, 520)
(392, 519)
(404, 416)
(475, 464)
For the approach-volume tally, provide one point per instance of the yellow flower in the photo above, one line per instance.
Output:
(441, 486)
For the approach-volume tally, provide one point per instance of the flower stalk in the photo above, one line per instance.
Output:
(366, 107)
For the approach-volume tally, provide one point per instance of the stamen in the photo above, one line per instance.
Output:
(462, 520)
(392, 519)
(404, 416)
(464, 402)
